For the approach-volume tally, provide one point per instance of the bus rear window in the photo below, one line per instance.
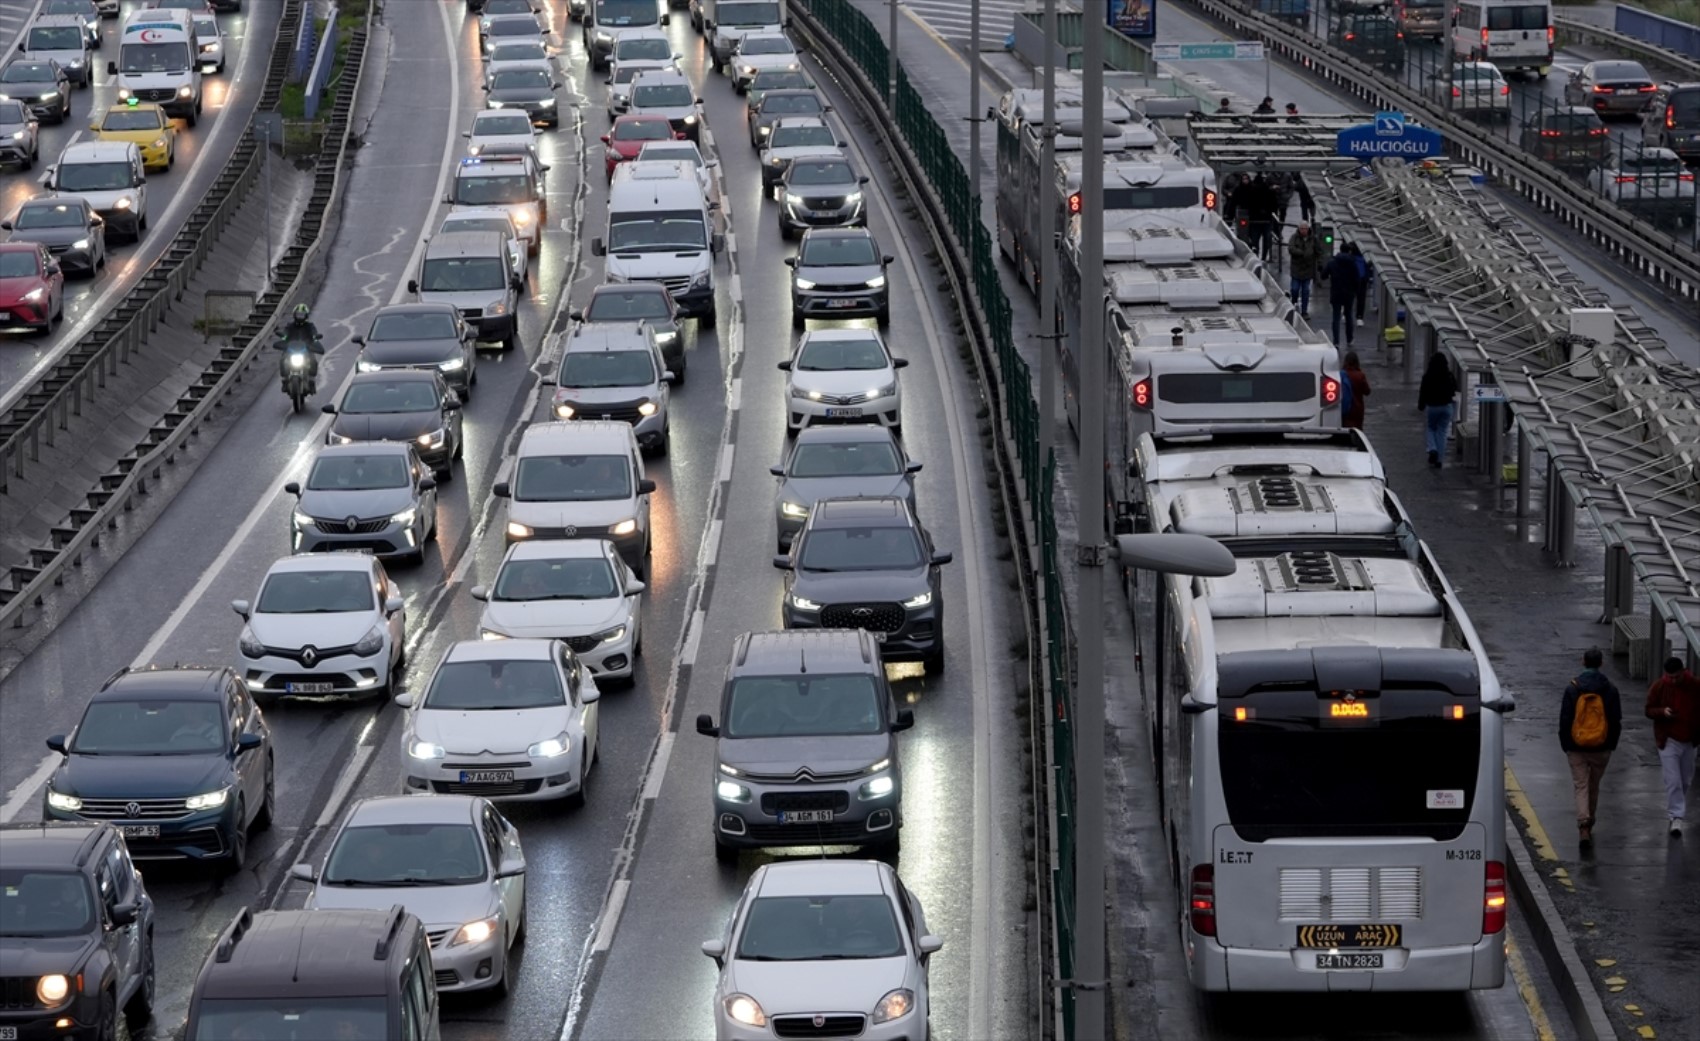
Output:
(1398, 763)
(1236, 388)
(1522, 16)
(1151, 198)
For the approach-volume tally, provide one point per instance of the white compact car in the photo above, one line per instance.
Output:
(209, 41)
(576, 590)
(504, 719)
(843, 376)
(453, 861)
(322, 624)
(823, 948)
(756, 52)
(500, 127)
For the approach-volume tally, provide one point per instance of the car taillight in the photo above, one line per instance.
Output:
(1686, 177)
(1597, 132)
(1646, 88)
(1625, 178)
(1398, 36)
(1493, 898)
(1351, 36)
(1484, 41)
(1457, 93)
(1670, 117)
(1330, 391)
(1599, 89)
(1209, 199)
(1202, 900)
(1549, 133)
(1505, 88)
(1551, 35)
(1141, 394)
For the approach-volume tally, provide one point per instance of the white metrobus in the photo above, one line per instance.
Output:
(1327, 728)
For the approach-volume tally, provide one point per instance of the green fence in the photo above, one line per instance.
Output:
(857, 36)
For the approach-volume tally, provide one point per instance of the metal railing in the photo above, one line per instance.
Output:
(1641, 47)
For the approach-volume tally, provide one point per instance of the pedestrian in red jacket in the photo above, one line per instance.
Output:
(1673, 704)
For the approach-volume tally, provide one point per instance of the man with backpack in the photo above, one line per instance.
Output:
(1590, 719)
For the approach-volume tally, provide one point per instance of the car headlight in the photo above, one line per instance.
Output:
(50, 95)
(666, 335)
(17, 135)
(474, 149)
(793, 200)
(407, 516)
(491, 634)
(77, 63)
(919, 601)
(882, 392)
(602, 37)
(301, 520)
(764, 131)
(38, 293)
(52, 990)
(371, 643)
(803, 603)
(425, 750)
(249, 644)
(877, 282)
(565, 410)
(124, 203)
(690, 119)
(895, 1005)
(804, 283)
(701, 279)
(81, 244)
(749, 70)
(551, 748)
(777, 160)
(452, 365)
(207, 800)
(613, 635)
(483, 929)
(123, 94)
(516, 530)
(878, 788)
(648, 408)
(493, 103)
(793, 509)
(496, 307)
(185, 92)
(206, 48)
(745, 1009)
(61, 801)
(334, 438)
(360, 364)
(853, 198)
(625, 527)
(521, 216)
(732, 792)
(434, 439)
(730, 771)
(547, 103)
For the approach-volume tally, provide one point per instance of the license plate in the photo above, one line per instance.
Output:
(843, 301)
(843, 413)
(1348, 961)
(139, 831)
(805, 817)
(8, 1034)
(1333, 937)
(5, 316)
(486, 777)
(316, 687)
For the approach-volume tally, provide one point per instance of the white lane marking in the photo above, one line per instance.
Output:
(344, 783)
(658, 767)
(726, 454)
(693, 639)
(611, 917)
(24, 793)
(711, 545)
(735, 395)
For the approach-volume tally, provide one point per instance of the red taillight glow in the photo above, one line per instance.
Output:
(1505, 88)
(1551, 35)
(1351, 36)
(1075, 202)
(1549, 133)
(1202, 900)
(1646, 88)
(1142, 394)
(1686, 177)
(1597, 132)
(1398, 36)
(1601, 90)
(1209, 199)
(1484, 40)
(1670, 117)
(1457, 93)
(1625, 178)
(1493, 898)
(1330, 391)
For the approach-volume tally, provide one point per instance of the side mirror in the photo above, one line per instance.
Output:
(905, 719)
(790, 261)
(53, 268)
(888, 258)
(861, 180)
(451, 405)
(394, 604)
(485, 87)
(329, 410)
(249, 742)
(357, 338)
(480, 593)
(112, 68)
(293, 488)
(305, 872)
(125, 913)
(777, 471)
(605, 138)
(913, 468)
(413, 285)
(404, 699)
(242, 608)
(590, 695)
(715, 949)
(6, 224)
(511, 867)
(1193, 707)
(466, 133)
(646, 486)
(706, 727)
(57, 743)
(941, 558)
(784, 366)
(714, 207)
(665, 18)
(516, 284)
(843, 144)
(544, 167)
(634, 586)
(716, 243)
(669, 376)
(549, 381)
(782, 561)
(929, 944)
(501, 490)
(900, 363)
(597, 249)
(577, 316)
(427, 484)
(96, 221)
(449, 199)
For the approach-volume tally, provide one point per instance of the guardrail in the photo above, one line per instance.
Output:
(117, 491)
(319, 78)
(1628, 18)
(1669, 264)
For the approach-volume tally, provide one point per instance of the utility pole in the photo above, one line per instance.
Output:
(891, 65)
(265, 127)
(1090, 973)
(974, 113)
(1048, 249)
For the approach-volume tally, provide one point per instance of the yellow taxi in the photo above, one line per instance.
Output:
(146, 126)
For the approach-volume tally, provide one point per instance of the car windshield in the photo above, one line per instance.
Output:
(1501, 18)
(822, 355)
(479, 686)
(572, 478)
(496, 7)
(642, 130)
(505, 124)
(766, 45)
(1475, 73)
(1684, 106)
(1573, 122)
(143, 58)
(464, 274)
(50, 215)
(370, 397)
(860, 549)
(1621, 70)
(406, 855)
(813, 928)
(94, 177)
(520, 79)
(19, 263)
(571, 578)
(839, 251)
(487, 190)
(786, 79)
(519, 50)
(12, 113)
(794, 137)
(1645, 165)
(405, 326)
(625, 74)
(27, 72)
(743, 13)
(38, 903)
(662, 95)
(846, 459)
(156, 726)
(57, 38)
(206, 27)
(803, 706)
(316, 592)
(584, 369)
(625, 12)
(82, 7)
(454, 223)
(514, 27)
(657, 232)
(613, 305)
(803, 174)
(644, 49)
(358, 473)
(132, 119)
(292, 1019)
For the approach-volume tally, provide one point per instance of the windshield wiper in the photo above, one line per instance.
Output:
(391, 883)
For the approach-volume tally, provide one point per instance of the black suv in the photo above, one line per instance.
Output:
(179, 759)
(1673, 120)
(76, 932)
(1374, 39)
(868, 564)
(317, 974)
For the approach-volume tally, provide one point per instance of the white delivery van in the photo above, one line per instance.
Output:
(605, 21)
(1516, 35)
(158, 62)
(725, 22)
(661, 229)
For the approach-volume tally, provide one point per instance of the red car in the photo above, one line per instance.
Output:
(32, 289)
(629, 135)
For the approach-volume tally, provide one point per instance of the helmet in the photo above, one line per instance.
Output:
(301, 312)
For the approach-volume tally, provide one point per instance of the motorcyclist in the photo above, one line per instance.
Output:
(300, 329)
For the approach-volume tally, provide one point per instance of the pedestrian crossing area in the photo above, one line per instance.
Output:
(953, 19)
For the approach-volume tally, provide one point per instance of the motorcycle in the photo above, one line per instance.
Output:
(298, 372)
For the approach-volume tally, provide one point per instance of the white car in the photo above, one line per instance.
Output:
(454, 861)
(1649, 182)
(644, 49)
(500, 126)
(1472, 88)
(843, 376)
(491, 218)
(576, 590)
(322, 624)
(210, 38)
(668, 94)
(758, 51)
(685, 151)
(792, 138)
(823, 945)
(504, 719)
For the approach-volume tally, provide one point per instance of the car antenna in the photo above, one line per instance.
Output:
(802, 659)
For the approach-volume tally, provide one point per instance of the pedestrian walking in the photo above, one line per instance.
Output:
(1307, 205)
(1434, 400)
(1226, 108)
(1341, 274)
(1292, 109)
(1354, 389)
(1304, 259)
(1266, 107)
(1673, 704)
(1590, 720)
(1366, 277)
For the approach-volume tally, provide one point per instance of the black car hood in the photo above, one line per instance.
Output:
(411, 352)
(862, 587)
(42, 955)
(386, 426)
(51, 236)
(522, 95)
(141, 776)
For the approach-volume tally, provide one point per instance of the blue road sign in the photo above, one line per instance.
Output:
(1390, 124)
(1389, 135)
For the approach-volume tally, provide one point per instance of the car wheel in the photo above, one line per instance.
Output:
(30, 158)
(140, 1008)
(796, 319)
(883, 319)
(890, 851)
(519, 930)
(897, 431)
(107, 1028)
(237, 858)
(444, 475)
(510, 340)
(577, 799)
(933, 663)
(709, 317)
(268, 809)
(472, 379)
(725, 854)
(170, 156)
(784, 230)
(666, 441)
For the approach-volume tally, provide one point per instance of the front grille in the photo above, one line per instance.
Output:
(154, 93)
(830, 1026)
(488, 790)
(340, 527)
(206, 840)
(17, 992)
(675, 285)
(571, 532)
(340, 681)
(852, 289)
(522, 764)
(145, 809)
(621, 413)
(319, 654)
(437, 938)
(836, 801)
(809, 834)
(823, 204)
(583, 644)
(447, 977)
(876, 618)
(472, 312)
(841, 399)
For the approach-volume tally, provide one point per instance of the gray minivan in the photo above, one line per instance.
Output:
(473, 270)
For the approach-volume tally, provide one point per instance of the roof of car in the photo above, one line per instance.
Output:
(883, 512)
(410, 809)
(798, 121)
(639, 117)
(161, 681)
(821, 878)
(514, 16)
(97, 152)
(767, 34)
(847, 434)
(629, 287)
(559, 549)
(840, 333)
(396, 376)
(500, 650)
(650, 77)
(340, 953)
(838, 233)
(322, 562)
(58, 21)
(495, 165)
(791, 650)
(586, 337)
(20, 247)
(51, 844)
(787, 92)
(648, 32)
(538, 64)
(465, 244)
(577, 436)
(401, 448)
(417, 308)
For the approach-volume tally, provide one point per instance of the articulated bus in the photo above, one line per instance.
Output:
(1327, 728)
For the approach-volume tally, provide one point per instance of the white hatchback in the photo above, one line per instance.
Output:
(500, 127)
(756, 52)
(843, 376)
(576, 590)
(322, 624)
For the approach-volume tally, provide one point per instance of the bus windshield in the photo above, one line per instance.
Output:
(143, 58)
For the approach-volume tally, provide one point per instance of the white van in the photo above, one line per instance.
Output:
(1515, 35)
(110, 176)
(580, 480)
(158, 62)
(605, 21)
(661, 229)
(62, 38)
(725, 22)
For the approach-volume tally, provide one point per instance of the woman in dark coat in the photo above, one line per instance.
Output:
(1434, 400)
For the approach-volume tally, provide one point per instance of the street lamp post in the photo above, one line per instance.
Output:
(974, 105)
(891, 64)
(1048, 249)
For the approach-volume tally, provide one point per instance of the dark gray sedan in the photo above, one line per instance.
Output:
(421, 336)
(821, 192)
(67, 226)
(42, 85)
(647, 302)
(777, 104)
(20, 142)
(373, 497)
(414, 406)
(528, 87)
(845, 462)
(839, 273)
(1611, 88)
